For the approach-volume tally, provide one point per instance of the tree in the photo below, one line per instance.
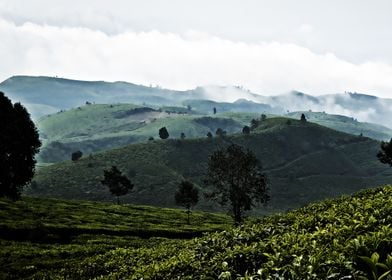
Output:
(117, 183)
(385, 155)
(163, 133)
(263, 117)
(76, 155)
(19, 142)
(182, 135)
(220, 132)
(187, 196)
(214, 110)
(236, 178)
(209, 134)
(253, 124)
(246, 130)
(303, 118)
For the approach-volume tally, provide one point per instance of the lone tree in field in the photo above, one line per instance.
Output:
(214, 110)
(303, 118)
(75, 156)
(236, 178)
(187, 196)
(385, 155)
(117, 183)
(19, 142)
(163, 133)
(246, 130)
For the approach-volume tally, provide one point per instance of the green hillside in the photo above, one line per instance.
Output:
(344, 238)
(41, 235)
(335, 239)
(93, 128)
(346, 124)
(304, 161)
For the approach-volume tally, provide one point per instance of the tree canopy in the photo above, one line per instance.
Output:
(236, 178)
(19, 142)
(117, 183)
(163, 133)
(385, 154)
(187, 196)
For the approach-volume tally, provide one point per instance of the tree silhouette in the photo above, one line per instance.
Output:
(209, 134)
(76, 155)
(117, 183)
(263, 117)
(220, 132)
(187, 196)
(19, 142)
(246, 130)
(182, 136)
(163, 133)
(236, 178)
(303, 118)
(385, 155)
(214, 110)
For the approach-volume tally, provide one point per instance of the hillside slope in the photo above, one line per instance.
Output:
(334, 239)
(304, 161)
(39, 236)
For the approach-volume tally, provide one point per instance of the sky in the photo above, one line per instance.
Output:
(269, 47)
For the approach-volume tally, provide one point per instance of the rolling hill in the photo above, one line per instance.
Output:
(304, 161)
(47, 95)
(97, 127)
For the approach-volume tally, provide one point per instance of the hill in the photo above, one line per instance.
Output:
(47, 95)
(93, 128)
(346, 124)
(97, 127)
(304, 161)
(345, 238)
(42, 235)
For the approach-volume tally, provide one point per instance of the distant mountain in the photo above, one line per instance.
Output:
(46, 95)
(304, 162)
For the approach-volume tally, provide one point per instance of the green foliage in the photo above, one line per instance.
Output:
(236, 177)
(117, 183)
(76, 155)
(385, 155)
(246, 130)
(163, 133)
(57, 239)
(325, 240)
(19, 142)
(187, 196)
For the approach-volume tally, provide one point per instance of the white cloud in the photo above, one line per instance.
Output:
(182, 61)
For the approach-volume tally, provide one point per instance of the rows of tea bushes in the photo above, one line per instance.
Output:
(346, 238)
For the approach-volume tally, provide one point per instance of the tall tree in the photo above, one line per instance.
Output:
(187, 196)
(163, 133)
(117, 183)
(303, 118)
(236, 178)
(19, 142)
(214, 110)
(385, 154)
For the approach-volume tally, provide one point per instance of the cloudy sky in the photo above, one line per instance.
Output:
(269, 47)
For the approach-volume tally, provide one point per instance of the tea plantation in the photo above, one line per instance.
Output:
(345, 238)
(40, 237)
